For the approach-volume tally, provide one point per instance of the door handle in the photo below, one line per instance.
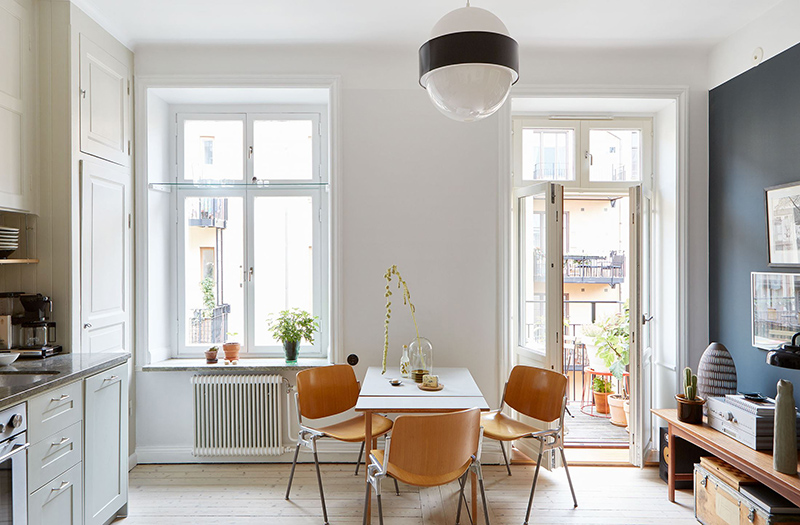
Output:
(87, 325)
(646, 318)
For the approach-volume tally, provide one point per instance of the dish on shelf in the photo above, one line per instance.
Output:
(6, 358)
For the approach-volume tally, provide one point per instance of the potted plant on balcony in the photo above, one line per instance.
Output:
(291, 327)
(231, 348)
(613, 347)
(601, 388)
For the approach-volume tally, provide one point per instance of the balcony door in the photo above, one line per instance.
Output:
(539, 326)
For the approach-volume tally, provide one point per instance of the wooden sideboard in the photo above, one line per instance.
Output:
(755, 463)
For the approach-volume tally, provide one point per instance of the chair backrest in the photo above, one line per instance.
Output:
(536, 392)
(431, 450)
(326, 391)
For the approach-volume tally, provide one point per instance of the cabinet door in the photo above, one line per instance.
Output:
(106, 444)
(59, 502)
(105, 98)
(105, 257)
(16, 115)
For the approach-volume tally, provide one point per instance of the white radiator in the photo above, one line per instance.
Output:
(237, 415)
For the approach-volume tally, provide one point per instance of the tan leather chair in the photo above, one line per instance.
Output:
(428, 451)
(323, 392)
(540, 394)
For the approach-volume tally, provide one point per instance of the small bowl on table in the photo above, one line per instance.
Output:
(6, 358)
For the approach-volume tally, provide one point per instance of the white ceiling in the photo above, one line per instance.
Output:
(558, 23)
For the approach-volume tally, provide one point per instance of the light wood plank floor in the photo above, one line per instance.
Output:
(253, 494)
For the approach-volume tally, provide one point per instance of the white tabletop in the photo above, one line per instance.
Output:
(460, 391)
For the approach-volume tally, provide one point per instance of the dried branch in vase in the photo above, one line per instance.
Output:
(406, 300)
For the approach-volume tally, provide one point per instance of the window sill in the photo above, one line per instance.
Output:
(252, 364)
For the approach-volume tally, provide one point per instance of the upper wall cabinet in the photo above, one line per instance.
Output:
(105, 92)
(17, 88)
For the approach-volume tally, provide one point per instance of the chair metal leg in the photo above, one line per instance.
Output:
(319, 481)
(360, 454)
(533, 487)
(291, 474)
(483, 495)
(396, 487)
(380, 509)
(462, 483)
(569, 479)
(505, 457)
(366, 499)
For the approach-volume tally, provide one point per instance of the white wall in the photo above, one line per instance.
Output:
(774, 32)
(421, 191)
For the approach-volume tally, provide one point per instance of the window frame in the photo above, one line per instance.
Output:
(316, 187)
(581, 160)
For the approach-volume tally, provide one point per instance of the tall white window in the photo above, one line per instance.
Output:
(252, 206)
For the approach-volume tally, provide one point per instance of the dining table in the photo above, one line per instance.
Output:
(459, 392)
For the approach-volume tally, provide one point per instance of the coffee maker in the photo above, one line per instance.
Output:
(34, 334)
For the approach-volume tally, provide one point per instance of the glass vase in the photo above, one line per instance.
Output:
(421, 354)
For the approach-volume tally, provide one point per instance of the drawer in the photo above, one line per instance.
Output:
(54, 411)
(54, 455)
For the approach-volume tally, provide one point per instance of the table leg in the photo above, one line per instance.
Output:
(474, 495)
(671, 465)
(369, 442)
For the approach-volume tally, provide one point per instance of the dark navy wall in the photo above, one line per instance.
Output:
(754, 143)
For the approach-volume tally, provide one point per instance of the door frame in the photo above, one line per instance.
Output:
(678, 95)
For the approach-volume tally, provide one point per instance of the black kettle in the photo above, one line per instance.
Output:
(788, 356)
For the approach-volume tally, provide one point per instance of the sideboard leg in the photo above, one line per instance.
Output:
(671, 466)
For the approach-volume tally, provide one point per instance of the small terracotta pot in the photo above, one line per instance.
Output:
(690, 411)
(601, 402)
(231, 351)
(616, 404)
(211, 357)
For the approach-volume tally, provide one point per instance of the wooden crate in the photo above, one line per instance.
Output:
(717, 503)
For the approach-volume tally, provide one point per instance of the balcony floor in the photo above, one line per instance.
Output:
(585, 430)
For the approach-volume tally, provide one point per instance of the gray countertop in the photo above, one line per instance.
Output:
(69, 368)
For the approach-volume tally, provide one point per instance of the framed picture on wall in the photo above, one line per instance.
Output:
(775, 311)
(783, 224)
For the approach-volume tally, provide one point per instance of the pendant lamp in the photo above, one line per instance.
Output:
(469, 64)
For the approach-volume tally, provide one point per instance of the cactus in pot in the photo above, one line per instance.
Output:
(690, 405)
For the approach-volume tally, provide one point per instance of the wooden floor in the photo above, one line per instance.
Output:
(253, 494)
(583, 429)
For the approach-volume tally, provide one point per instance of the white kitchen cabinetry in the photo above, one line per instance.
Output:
(17, 92)
(58, 502)
(106, 242)
(105, 104)
(106, 444)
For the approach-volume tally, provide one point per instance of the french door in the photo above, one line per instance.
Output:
(538, 292)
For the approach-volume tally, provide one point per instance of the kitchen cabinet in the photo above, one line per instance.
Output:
(17, 115)
(106, 258)
(105, 104)
(106, 444)
(58, 502)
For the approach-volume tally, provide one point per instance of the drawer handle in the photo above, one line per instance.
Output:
(62, 442)
(112, 378)
(64, 484)
(62, 398)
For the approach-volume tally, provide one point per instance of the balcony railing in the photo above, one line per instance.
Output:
(211, 328)
(208, 212)
(604, 269)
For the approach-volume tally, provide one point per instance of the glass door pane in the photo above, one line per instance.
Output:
(284, 260)
(213, 266)
(533, 289)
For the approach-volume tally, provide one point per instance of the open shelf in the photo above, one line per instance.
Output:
(19, 261)
(203, 185)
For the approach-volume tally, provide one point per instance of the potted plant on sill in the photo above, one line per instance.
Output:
(211, 355)
(291, 327)
(613, 348)
(601, 388)
(231, 348)
(690, 405)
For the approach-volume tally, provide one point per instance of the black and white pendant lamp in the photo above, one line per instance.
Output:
(469, 64)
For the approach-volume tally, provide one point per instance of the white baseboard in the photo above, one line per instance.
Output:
(329, 452)
(132, 461)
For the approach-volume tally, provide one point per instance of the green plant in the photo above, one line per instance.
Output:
(293, 325)
(601, 385)
(230, 337)
(406, 300)
(214, 349)
(612, 337)
(689, 384)
(209, 301)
